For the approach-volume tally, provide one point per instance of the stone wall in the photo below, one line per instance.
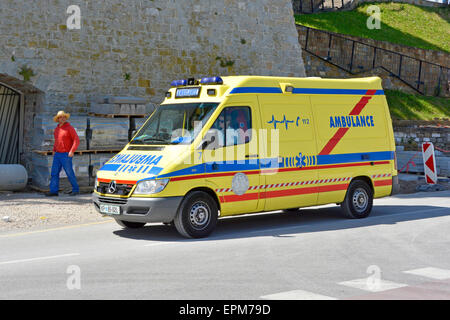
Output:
(410, 134)
(137, 47)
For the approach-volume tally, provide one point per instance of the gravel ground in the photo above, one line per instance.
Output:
(32, 210)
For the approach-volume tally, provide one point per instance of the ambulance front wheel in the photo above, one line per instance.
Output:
(358, 200)
(129, 224)
(197, 215)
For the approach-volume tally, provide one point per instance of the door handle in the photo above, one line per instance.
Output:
(214, 166)
(251, 155)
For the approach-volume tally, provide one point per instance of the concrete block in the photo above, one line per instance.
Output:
(103, 108)
(125, 109)
(140, 109)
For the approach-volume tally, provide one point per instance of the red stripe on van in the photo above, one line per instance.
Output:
(380, 183)
(334, 141)
(342, 131)
(285, 193)
(117, 181)
(329, 166)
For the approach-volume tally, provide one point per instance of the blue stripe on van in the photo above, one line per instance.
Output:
(333, 91)
(267, 163)
(256, 90)
(303, 90)
(354, 157)
(110, 167)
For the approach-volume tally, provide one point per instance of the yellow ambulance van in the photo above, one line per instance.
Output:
(222, 146)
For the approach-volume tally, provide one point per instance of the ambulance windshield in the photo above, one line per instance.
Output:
(174, 124)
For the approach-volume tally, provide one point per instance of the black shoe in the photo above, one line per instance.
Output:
(50, 194)
(74, 193)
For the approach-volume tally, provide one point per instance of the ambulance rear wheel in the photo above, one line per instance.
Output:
(129, 224)
(197, 215)
(358, 200)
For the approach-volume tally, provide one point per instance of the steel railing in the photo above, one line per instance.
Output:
(313, 6)
(355, 57)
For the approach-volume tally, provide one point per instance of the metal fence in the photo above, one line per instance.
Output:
(313, 6)
(356, 57)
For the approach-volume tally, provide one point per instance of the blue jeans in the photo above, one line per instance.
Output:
(62, 160)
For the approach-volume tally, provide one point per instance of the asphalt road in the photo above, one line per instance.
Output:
(402, 251)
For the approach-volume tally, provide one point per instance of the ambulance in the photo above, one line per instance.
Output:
(224, 146)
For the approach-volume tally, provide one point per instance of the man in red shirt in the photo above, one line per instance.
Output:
(66, 143)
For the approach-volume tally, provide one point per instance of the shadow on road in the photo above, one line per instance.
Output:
(280, 224)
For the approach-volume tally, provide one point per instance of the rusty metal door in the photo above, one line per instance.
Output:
(9, 125)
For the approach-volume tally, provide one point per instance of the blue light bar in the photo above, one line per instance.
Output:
(178, 83)
(211, 80)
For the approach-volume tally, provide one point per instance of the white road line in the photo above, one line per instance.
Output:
(156, 244)
(430, 272)
(297, 295)
(372, 285)
(40, 258)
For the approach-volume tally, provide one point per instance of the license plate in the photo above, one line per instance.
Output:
(109, 209)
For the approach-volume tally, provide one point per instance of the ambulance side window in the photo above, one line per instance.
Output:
(232, 126)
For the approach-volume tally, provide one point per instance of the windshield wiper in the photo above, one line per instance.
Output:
(143, 141)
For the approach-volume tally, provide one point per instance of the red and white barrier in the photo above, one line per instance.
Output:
(429, 163)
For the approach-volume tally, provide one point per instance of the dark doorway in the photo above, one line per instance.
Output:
(9, 125)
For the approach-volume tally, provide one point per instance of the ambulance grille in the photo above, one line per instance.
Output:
(112, 200)
(121, 189)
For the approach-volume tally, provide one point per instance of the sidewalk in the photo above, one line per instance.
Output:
(33, 210)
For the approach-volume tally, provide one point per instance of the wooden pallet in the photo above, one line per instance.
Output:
(79, 152)
(117, 115)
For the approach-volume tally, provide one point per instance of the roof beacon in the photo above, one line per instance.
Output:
(178, 83)
(211, 80)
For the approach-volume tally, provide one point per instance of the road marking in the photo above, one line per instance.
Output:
(371, 285)
(40, 258)
(430, 272)
(297, 295)
(156, 244)
(54, 229)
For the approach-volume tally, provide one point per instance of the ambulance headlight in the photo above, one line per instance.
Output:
(151, 186)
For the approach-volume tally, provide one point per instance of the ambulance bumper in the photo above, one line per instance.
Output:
(144, 210)
(395, 185)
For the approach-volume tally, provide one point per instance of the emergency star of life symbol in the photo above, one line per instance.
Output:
(342, 131)
(300, 160)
